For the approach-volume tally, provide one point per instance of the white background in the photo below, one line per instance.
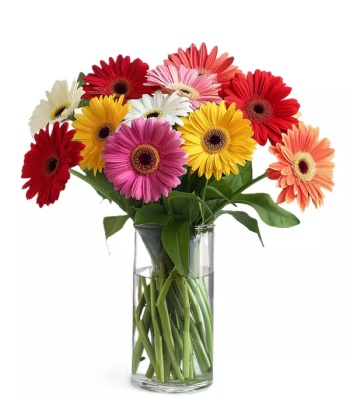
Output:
(282, 312)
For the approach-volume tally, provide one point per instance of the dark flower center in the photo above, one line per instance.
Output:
(145, 159)
(303, 167)
(51, 165)
(120, 86)
(59, 111)
(154, 114)
(214, 140)
(258, 110)
(56, 113)
(186, 91)
(104, 131)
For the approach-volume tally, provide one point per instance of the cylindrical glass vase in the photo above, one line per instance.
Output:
(172, 314)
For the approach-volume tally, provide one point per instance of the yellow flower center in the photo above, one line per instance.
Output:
(304, 166)
(59, 110)
(186, 91)
(104, 131)
(145, 159)
(214, 140)
(153, 113)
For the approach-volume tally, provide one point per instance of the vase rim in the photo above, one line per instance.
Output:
(201, 227)
(192, 227)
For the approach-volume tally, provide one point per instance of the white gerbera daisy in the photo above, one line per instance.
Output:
(60, 103)
(169, 107)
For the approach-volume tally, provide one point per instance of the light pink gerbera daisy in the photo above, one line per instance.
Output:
(144, 160)
(303, 168)
(186, 82)
(205, 62)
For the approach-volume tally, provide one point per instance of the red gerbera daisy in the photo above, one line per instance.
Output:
(262, 98)
(47, 163)
(205, 63)
(118, 77)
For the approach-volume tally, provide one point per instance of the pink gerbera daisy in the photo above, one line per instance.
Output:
(119, 77)
(186, 82)
(144, 160)
(303, 168)
(262, 98)
(205, 63)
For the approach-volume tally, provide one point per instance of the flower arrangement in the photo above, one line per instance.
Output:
(172, 147)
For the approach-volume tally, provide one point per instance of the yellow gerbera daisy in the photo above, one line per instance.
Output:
(98, 120)
(217, 139)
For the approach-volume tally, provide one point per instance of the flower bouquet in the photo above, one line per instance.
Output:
(172, 147)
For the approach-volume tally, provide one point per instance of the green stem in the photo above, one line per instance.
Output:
(202, 197)
(146, 342)
(165, 288)
(202, 296)
(177, 338)
(150, 371)
(226, 201)
(138, 348)
(250, 183)
(200, 351)
(186, 332)
(165, 322)
(158, 340)
(167, 365)
(197, 311)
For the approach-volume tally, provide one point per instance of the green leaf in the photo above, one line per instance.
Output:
(106, 190)
(83, 103)
(246, 172)
(269, 212)
(230, 184)
(183, 205)
(114, 224)
(176, 242)
(244, 219)
(213, 207)
(80, 79)
(152, 214)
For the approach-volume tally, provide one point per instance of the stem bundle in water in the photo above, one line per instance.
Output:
(173, 315)
(173, 328)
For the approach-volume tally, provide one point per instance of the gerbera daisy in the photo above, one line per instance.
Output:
(262, 98)
(169, 107)
(48, 161)
(186, 82)
(217, 139)
(205, 63)
(144, 160)
(97, 121)
(119, 77)
(60, 104)
(303, 168)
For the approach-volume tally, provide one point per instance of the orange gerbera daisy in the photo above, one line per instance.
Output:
(205, 62)
(303, 168)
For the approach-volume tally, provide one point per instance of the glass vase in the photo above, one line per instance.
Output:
(172, 314)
